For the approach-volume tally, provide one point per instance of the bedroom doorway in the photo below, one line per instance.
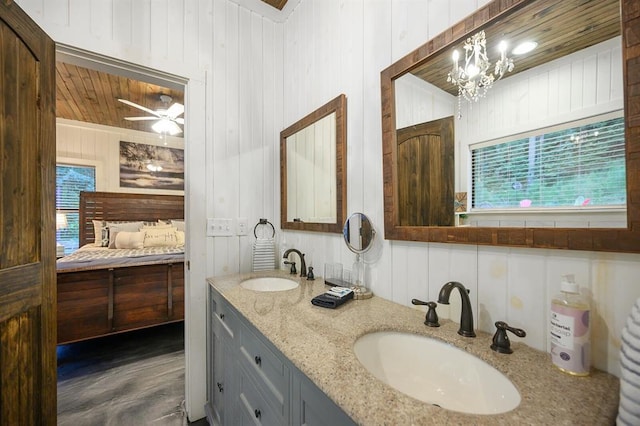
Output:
(103, 103)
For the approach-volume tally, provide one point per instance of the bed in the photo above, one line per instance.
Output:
(120, 292)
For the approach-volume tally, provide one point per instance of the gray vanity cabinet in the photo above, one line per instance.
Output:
(311, 407)
(264, 378)
(260, 386)
(223, 327)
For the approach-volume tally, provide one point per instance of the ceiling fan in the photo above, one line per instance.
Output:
(167, 118)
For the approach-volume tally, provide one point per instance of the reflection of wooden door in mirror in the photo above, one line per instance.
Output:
(426, 174)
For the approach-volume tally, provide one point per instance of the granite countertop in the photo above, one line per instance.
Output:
(319, 342)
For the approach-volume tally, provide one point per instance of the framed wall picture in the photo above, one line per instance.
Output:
(151, 166)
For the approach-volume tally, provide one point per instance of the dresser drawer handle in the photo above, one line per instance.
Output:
(257, 413)
(220, 387)
(258, 360)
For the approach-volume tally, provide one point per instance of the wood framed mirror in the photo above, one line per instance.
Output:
(313, 170)
(521, 13)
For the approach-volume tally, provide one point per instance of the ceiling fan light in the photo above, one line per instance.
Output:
(174, 129)
(161, 126)
(164, 126)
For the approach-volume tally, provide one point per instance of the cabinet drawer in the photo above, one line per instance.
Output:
(222, 317)
(254, 405)
(267, 368)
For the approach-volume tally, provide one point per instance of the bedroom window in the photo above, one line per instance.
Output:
(577, 167)
(70, 180)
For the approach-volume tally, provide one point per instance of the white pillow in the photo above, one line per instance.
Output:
(180, 235)
(115, 227)
(100, 233)
(157, 226)
(161, 237)
(179, 224)
(129, 240)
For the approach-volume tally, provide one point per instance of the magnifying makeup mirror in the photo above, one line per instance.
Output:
(358, 234)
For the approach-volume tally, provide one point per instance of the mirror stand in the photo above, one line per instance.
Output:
(358, 234)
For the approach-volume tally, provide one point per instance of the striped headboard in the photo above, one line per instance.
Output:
(113, 206)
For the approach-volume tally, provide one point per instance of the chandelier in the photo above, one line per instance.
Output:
(474, 78)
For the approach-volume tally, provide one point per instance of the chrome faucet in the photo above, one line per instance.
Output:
(303, 265)
(466, 317)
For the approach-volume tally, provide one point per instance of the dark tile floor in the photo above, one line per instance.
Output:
(134, 378)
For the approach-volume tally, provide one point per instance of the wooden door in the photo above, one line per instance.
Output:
(426, 174)
(27, 227)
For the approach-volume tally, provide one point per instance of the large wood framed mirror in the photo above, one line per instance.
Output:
(313, 170)
(516, 19)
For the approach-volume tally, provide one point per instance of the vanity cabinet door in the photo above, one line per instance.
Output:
(267, 368)
(217, 385)
(221, 347)
(255, 403)
(312, 407)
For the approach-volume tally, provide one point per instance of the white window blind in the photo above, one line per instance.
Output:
(70, 180)
(576, 167)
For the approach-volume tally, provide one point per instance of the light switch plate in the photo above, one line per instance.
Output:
(243, 226)
(219, 227)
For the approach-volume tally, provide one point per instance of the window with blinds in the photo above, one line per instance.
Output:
(70, 180)
(571, 168)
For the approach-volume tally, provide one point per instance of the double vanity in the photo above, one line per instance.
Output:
(274, 358)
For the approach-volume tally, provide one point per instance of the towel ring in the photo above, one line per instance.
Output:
(264, 222)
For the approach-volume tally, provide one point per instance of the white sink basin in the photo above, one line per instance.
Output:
(436, 373)
(269, 284)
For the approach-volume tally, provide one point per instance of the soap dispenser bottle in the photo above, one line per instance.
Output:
(570, 329)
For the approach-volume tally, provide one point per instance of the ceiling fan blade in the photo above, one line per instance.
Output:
(179, 120)
(175, 110)
(135, 105)
(140, 118)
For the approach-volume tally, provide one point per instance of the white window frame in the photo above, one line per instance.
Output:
(77, 162)
(552, 217)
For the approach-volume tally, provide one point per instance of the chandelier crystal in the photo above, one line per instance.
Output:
(474, 78)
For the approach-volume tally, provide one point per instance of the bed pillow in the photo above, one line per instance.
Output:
(160, 237)
(100, 234)
(180, 236)
(178, 223)
(115, 227)
(129, 240)
(157, 225)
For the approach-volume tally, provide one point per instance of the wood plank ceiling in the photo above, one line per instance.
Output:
(558, 30)
(91, 96)
(278, 4)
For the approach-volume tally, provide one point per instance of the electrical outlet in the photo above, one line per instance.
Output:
(219, 227)
(243, 225)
